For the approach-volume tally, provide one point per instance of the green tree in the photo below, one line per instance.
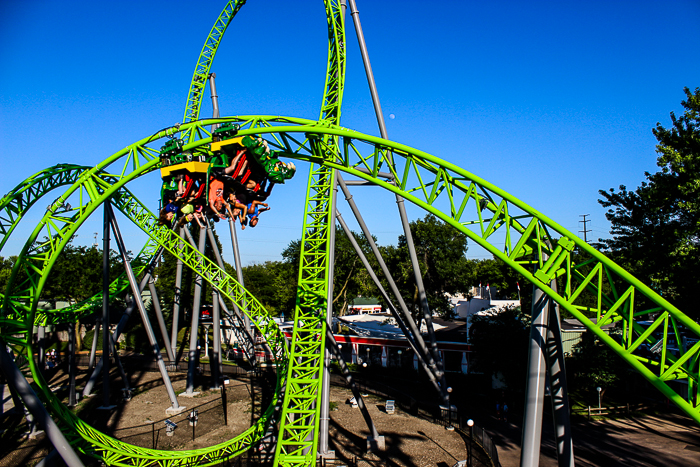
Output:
(593, 364)
(5, 271)
(350, 278)
(656, 227)
(272, 283)
(500, 346)
(441, 252)
(499, 276)
(77, 273)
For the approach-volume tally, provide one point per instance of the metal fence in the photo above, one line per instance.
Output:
(354, 462)
(437, 414)
(157, 435)
(482, 438)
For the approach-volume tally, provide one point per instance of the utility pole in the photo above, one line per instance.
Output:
(585, 221)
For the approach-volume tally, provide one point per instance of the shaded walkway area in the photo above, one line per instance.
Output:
(653, 440)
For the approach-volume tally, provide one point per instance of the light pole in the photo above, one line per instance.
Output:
(599, 389)
(470, 424)
(449, 426)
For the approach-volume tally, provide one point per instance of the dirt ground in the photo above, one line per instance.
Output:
(651, 440)
(410, 441)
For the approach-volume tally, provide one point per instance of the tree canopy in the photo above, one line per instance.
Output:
(441, 252)
(656, 227)
(75, 276)
(500, 345)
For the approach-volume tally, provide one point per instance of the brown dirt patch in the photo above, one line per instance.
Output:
(410, 441)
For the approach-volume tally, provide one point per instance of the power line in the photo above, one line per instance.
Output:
(585, 221)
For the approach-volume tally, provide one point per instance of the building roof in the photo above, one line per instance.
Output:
(364, 301)
(384, 325)
(573, 325)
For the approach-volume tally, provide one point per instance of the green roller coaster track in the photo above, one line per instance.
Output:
(589, 283)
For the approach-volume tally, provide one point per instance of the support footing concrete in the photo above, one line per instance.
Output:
(375, 444)
(174, 411)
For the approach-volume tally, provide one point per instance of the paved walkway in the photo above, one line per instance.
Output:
(6, 399)
(658, 440)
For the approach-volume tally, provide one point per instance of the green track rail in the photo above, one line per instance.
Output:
(16, 203)
(205, 60)
(508, 228)
(297, 442)
(93, 188)
(590, 284)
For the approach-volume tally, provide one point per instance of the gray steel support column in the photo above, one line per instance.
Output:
(72, 365)
(222, 303)
(368, 68)
(385, 295)
(399, 201)
(161, 320)
(105, 306)
(98, 367)
(326, 376)
(16, 400)
(37, 409)
(41, 345)
(217, 300)
(374, 435)
(239, 316)
(131, 305)
(177, 297)
(248, 350)
(142, 309)
(422, 297)
(215, 359)
(215, 249)
(558, 387)
(239, 277)
(214, 99)
(423, 353)
(93, 348)
(192, 355)
(537, 370)
(120, 367)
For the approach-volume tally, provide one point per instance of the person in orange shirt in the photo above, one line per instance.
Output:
(217, 203)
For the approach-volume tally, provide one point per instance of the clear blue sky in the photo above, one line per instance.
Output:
(550, 101)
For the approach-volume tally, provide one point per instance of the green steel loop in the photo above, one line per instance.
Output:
(335, 70)
(297, 441)
(512, 231)
(206, 57)
(427, 182)
(465, 201)
(15, 203)
(13, 207)
(95, 187)
(483, 212)
(116, 288)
